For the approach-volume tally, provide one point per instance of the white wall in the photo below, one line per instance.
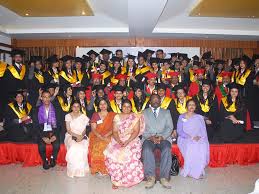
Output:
(6, 40)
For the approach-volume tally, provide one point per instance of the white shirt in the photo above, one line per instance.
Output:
(18, 65)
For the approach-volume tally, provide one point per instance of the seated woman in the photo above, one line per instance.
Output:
(76, 142)
(18, 122)
(193, 142)
(122, 155)
(46, 122)
(232, 116)
(100, 136)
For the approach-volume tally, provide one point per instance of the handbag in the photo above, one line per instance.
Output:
(175, 166)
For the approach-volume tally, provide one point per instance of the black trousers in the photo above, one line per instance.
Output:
(42, 148)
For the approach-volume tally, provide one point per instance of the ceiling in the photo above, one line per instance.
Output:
(48, 8)
(135, 18)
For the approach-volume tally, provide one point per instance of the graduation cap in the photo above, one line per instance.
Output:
(196, 58)
(97, 76)
(92, 52)
(206, 82)
(247, 59)
(140, 54)
(115, 59)
(183, 55)
(166, 61)
(219, 61)
(17, 52)
(105, 51)
(66, 86)
(255, 56)
(66, 58)
(235, 61)
(154, 60)
(35, 58)
(98, 87)
(150, 75)
(131, 57)
(173, 73)
(199, 71)
(80, 89)
(174, 54)
(206, 55)
(186, 58)
(179, 87)
(161, 86)
(79, 60)
(196, 63)
(52, 59)
(148, 51)
(137, 86)
(121, 77)
(86, 58)
(226, 74)
(233, 85)
(118, 88)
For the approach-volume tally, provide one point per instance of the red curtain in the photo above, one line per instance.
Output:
(220, 155)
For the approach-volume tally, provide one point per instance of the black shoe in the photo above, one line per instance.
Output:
(46, 165)
(52, 162)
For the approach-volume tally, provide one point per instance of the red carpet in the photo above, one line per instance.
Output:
(220, 155)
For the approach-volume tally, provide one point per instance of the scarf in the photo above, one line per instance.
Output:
(50, 119)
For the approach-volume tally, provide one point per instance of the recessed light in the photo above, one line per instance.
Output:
(199, 13)
(83, 12)
(26, 14)
(253, 16)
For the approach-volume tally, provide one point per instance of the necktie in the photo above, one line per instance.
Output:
(155, 113)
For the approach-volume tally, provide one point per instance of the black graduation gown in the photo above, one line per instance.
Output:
(82, 78)
(229, 132)
(254, 111)
(3, 68)
(34, 85)
(18, 132)
(49, 76)
(212, 115)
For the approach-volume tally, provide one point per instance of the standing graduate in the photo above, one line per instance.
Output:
(3, 98)
(232, 116)
(68, 75)
(195, 85)
(140, 100)
(94, 63)
(81, 76)
(104, 71)
(36, 79)
(142, 69)
(207, 106)
(18, 122)
(130, 71)
(63, 105)
(52, 73)
(106, 56)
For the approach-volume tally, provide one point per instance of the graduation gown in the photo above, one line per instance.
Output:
(141, 72)
(65, 78)
(3, 97)
(210, 112)
(115, 107)
(82, 78)
(17, 131)
(51, 77)
(229, 132)
(139, 107)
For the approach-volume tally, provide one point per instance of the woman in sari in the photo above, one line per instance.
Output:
(76, 142)
(122, 155)
(193, 142)
(100, 136)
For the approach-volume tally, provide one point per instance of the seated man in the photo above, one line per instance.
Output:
(46, 123)
(18, 122)
(157, 134)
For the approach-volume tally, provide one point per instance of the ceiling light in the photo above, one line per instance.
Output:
(199, 13)
(27, 14)
(253, 16)
(83, 12)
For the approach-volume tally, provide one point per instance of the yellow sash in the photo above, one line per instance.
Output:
(65, 107)
(23, 112)
(106, 74)
(142, 70)
(134, 109)
(115, 107)
(181, 108)
(166, 102)
(241, 79)
(80, 76)
(83, 110)
(54, 75)
(39, 77)
(192, 77)
(232, 107)
(70, 79)
(15, 73)
(204, 107)
(3, 67)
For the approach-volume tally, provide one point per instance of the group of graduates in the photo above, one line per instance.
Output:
(225, 91)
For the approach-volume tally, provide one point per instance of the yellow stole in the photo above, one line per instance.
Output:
(39, 77)
(54, 75)
(23, 112)
(192, 77)
(219, 78)
(114, 80)
(142, 70)
(65, 107)
(134, 109)
(241, 79)
(232, 107)
(181, 108)
(80, 76)
(83, 110)
(166, 102)
(204, 107)
(3, 67)
(71, 79)
(115, 107)
(15, 73)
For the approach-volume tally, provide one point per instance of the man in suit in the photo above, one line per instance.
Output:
(157, 135)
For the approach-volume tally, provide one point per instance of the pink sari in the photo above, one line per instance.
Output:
(123, 163)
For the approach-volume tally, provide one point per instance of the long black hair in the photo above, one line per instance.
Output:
(239, 105)
(210, 96)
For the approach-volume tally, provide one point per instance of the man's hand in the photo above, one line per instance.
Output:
(208, 122)
(174, 134)
(46, 140)
(53, 138)
(24, 118)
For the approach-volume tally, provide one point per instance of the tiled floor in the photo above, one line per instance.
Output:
(15, 179)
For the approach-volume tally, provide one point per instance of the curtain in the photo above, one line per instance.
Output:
(224, 53)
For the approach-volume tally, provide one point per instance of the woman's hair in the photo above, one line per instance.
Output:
(190, 100)
(99, 100)
(139, 101)
(75, 102)
(239, 103)
(210, 96)
(126, 101)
